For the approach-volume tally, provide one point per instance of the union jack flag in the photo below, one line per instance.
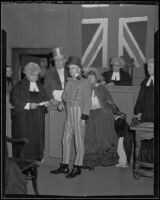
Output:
(131, 41)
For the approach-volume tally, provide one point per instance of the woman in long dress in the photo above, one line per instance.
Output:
(100, 137)
(29, 100)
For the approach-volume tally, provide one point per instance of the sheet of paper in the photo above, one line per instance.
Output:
(57, 94)
(43, 103)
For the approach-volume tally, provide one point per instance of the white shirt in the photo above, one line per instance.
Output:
(151, 79)
(115, 76)
(95, 101)
(61, 76)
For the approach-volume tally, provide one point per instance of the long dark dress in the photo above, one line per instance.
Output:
(28, 123)
(145, 105)
(100, 137)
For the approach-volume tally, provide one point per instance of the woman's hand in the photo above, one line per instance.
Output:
(33, 105)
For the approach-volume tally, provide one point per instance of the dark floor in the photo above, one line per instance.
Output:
(101, 181)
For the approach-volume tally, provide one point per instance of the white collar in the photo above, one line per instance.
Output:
(151, 79)
(33, 87)
(115, 76)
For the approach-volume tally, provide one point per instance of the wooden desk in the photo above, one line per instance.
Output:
(125, 98)
(142, 131)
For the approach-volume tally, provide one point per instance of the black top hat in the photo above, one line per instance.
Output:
(74, 60)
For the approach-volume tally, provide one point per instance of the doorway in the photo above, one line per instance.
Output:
(22, 56)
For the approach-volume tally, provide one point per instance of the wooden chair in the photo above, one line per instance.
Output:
(28, 167)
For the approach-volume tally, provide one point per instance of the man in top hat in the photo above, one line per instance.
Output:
(77, 99)
(29, 100)
(55, 77)
(116, 75)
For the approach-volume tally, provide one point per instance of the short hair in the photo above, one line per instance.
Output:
(92, 73)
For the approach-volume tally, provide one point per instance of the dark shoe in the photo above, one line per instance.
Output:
(89, 168)
(75, 171)
(62, 169)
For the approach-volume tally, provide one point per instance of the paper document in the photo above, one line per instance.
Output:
(57, 94)
(43, 103)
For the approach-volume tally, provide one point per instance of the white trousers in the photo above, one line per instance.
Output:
(73, 128)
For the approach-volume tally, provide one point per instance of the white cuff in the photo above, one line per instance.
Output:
(27, 106)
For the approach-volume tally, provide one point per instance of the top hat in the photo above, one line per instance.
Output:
(57, 53)
(74, 60)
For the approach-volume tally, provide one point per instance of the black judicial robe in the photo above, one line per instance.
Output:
(145, 105)
(145, 102)
(125, 78)
(28, 123)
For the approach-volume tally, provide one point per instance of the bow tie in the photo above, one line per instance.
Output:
(33, 87)
(115, 76)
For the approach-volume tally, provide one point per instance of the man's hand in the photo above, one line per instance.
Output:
(138, 116)
(33, 105)
(60, 106)
(82, 122)
(54, 102)
(47, 104)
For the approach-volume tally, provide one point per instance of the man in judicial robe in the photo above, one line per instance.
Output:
(29, 100)
(144, 109)
(55, 77)
(117, 76)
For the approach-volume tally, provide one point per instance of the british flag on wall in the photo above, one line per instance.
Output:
(132, 39)
(94, 42)
(131, 42)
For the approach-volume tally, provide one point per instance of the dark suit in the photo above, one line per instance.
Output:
(52, 80)
(125, 78)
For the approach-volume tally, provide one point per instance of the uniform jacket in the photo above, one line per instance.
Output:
(125, 78)
(78, 92)
(52, 80)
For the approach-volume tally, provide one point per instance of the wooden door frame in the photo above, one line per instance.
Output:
(18, 52)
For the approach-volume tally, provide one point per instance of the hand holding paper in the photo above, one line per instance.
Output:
(45, 103)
